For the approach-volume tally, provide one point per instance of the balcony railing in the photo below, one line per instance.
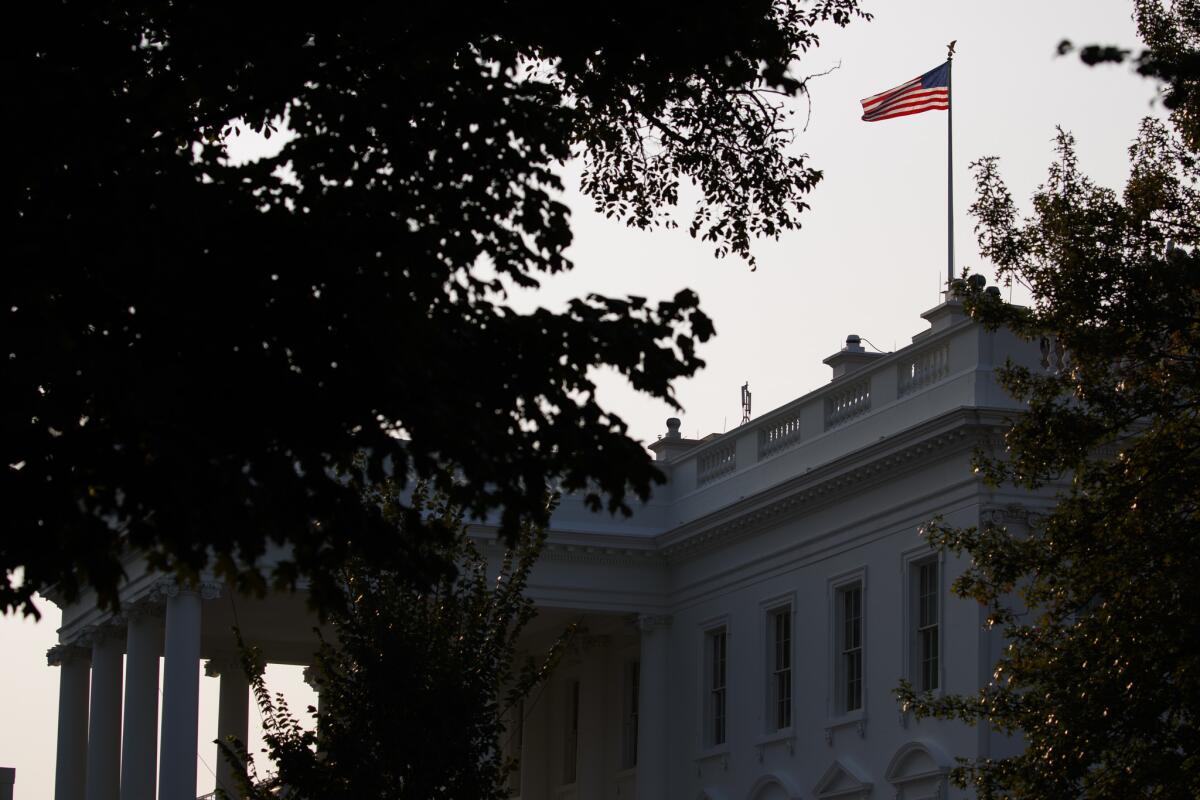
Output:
(932, 376)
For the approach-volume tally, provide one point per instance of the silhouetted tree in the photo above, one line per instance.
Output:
(417, 685)
(1101, 676)
(194, 348)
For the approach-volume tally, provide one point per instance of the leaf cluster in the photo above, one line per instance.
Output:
(1101, 674)
(417, 683)
(196, 349)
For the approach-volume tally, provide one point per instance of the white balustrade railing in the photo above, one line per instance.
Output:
(1055, 358)
(712, 464)
(923, 369)
(935, 363)
(779, 434)
(847, 403)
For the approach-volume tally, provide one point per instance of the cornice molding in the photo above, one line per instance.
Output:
(585, 548)
(651, 623)
(955, 432)
(872, 465)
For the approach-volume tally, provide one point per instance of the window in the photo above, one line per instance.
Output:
(715, 719)
(849, 648)
(571, 741)
(630, 738)
(926, 657)
(779, 660)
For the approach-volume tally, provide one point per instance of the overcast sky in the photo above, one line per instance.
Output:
(870, 258)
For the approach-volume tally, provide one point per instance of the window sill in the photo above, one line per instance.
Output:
(855, 719)
(716, 751)
(783, 737)
(718, 755)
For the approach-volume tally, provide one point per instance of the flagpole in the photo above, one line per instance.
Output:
(949, 167)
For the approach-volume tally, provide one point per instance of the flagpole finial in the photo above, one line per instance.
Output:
(950, 50)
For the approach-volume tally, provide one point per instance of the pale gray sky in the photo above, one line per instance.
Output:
(870, 257)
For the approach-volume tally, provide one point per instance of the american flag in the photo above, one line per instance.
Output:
(929, 92)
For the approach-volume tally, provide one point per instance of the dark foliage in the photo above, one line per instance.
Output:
(1101, 677)
(415, 691)
(194, 349)
(1171, 32)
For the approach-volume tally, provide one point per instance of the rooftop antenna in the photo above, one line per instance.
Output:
(745, 402)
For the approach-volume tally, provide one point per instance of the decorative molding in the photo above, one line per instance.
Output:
(843, 779)
(788, 741)
(858, 721)
(111, 628)
(780, 780)
(572, 548)
(217, 666)
(650, 623)
(1012, 513)
(65, 653)
(811, 490)
(142, 607)
(164, 589)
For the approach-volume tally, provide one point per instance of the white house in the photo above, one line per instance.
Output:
(744, 630)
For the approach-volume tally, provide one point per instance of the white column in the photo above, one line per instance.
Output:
(652, 780)
(233, 715)
(71, 757)
(139, 739)
(104, 722)
(181, 696)
(593, 738)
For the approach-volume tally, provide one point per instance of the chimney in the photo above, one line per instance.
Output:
(851, 357)
(672, 445)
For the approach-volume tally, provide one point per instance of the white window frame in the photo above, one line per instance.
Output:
(630, 710)
(911, 562)
(708, 718)
(837, 585)
(771, 608)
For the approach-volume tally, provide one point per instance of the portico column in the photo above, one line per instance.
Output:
(139, 740)
(181, 692)
(71, 757)
(104, 722)
(652, 707)
(233, 715)
(591, 784)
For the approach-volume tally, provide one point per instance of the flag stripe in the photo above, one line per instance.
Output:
(931, 102)
(928, 92)
(907, 97)
(890, 92)
(906, 112)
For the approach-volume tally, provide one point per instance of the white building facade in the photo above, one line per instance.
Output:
(741, 634)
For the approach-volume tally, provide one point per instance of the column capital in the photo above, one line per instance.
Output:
(111, 628)
(165, 588)
(222, 664)
(147, 606)
(649, 623)
(313, 677)
(65, 653)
